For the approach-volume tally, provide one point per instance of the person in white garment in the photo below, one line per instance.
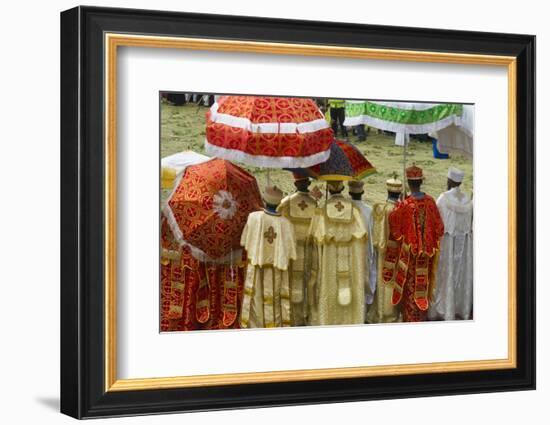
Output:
(270, 244)
(453, 295)
(356, 191)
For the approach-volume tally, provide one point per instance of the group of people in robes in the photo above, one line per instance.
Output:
(334, 261)
(342, 262)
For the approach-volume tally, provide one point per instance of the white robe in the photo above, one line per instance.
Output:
(271, 246)
(370, 263)
(453, 295)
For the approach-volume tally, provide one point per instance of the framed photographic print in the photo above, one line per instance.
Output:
(261, 212)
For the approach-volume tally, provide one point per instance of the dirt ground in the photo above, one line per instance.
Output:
(183, 128)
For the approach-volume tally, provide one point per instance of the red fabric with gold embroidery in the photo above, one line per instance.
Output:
(237, 129)
(409, 306)
(391, 256)
(185, 305)
(418, 225)
(211, 204)
(401, 270)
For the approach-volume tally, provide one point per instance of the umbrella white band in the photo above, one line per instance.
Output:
(266, 161)
(233, 257)
(267, 127)
(402, 128)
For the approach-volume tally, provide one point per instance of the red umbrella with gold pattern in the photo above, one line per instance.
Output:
(273, 132)
(208, 209)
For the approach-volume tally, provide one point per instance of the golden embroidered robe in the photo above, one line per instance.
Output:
(270, 245)
(299, 209)
(382, 310)
(337, 286)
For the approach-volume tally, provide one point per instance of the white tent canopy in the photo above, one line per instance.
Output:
(458, 139)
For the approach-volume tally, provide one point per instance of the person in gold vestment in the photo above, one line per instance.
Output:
(299, 209)
(382, 310)
(269, 241)
(337, 287)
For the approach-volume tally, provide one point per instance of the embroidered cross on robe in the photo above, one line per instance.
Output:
(270, 235)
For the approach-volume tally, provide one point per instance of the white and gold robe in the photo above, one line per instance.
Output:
(453, 295)
(270, 245)
(382, 310)
(370, 264)
(299, 208)
(337, 287)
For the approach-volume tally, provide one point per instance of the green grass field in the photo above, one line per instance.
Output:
(183, 128)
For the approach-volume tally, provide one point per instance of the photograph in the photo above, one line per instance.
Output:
(260, 212)
(294, 211)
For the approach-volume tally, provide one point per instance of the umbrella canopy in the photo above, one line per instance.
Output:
(346, 162)
(274, 132)
(403, 117)
(209, 207)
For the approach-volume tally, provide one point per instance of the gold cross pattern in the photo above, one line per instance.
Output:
(339, 206)
(270, 235)
(303, 205)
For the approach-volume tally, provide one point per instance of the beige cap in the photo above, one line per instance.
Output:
(394, 185)
(355, 186)
(335, 185)
(273, 195)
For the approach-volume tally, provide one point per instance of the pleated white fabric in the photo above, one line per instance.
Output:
(453, 295)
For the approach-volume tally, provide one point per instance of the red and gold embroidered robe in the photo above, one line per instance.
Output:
(197, 295)
(416, 223)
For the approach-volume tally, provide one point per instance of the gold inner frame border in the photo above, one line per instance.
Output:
(113, 40)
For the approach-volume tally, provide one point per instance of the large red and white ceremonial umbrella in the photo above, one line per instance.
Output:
(209, 207)
(272, 132)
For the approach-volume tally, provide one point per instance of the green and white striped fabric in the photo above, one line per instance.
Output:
(403, 117)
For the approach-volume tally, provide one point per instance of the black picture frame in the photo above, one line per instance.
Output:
(82, 212)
